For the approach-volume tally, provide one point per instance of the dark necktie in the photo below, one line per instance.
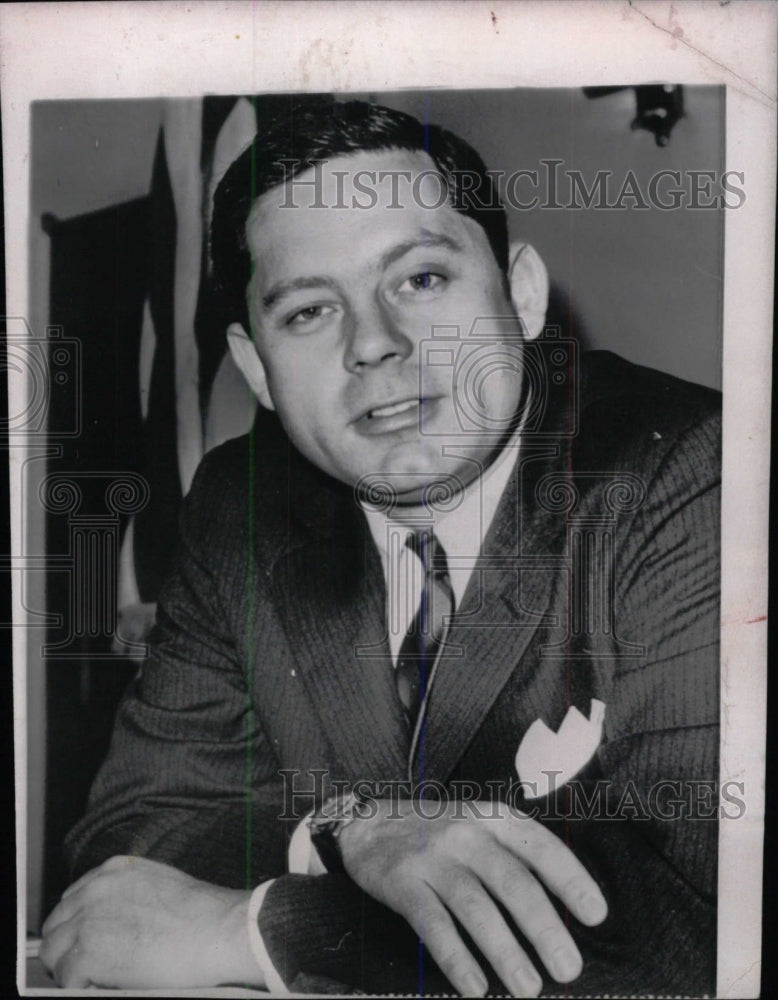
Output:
(423, 640)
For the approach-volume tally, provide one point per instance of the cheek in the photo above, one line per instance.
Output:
(291, 377)
(306, 405)
(488, 384)
(298, 413)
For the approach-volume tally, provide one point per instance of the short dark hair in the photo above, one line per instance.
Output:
(309, 130)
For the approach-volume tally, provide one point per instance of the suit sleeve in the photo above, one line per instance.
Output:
(190, 778)
(651, 839)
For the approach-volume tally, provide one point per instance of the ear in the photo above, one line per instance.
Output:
(528, 282)
(245, 356)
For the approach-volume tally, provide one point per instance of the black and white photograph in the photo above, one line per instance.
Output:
(389, 543)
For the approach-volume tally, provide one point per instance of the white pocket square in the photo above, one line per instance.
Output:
(546, 760)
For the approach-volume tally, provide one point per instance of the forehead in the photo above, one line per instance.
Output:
(350, 210)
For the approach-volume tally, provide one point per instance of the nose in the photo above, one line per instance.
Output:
(374, 338)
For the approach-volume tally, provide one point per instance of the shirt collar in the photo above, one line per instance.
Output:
(460, 526)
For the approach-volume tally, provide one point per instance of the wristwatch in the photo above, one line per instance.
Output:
(327, 824)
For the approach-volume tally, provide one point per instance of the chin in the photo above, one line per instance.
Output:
(408, 471)
(418, 468)
(410, 486)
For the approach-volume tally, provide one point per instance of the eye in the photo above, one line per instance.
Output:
(424, 281)
(310, 314)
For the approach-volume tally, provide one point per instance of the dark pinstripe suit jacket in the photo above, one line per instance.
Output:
(254, 670)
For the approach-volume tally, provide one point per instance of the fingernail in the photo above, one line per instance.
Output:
(525, 983)
(565, 964)
(475, 985)
(594, 907)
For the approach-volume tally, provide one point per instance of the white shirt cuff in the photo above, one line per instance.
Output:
(273, 982)
(302, 858)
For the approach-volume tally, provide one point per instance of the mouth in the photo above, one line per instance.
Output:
(394, 416)
(379, 412)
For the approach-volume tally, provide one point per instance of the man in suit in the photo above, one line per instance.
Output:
(438, 663)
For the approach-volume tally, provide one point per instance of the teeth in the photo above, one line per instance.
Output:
(389, 411)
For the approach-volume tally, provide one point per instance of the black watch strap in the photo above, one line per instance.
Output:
(326, 825)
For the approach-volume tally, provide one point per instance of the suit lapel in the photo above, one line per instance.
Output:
(331, 595)
(505, 603)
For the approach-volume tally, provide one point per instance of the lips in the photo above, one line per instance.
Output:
(379, 412)
(396, 416)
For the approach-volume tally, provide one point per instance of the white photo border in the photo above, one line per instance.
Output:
(105, 50)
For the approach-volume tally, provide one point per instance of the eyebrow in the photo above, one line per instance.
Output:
(283, 288)
(432, 240)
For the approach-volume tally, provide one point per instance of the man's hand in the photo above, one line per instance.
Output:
(457, 864)
(138, 924)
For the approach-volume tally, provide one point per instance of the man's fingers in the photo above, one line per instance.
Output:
(468, 900)
(70, 973)
(432, 922)
(69, 903)
(517, 888)
(55, 944)
(556, 866)
(61, 913)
